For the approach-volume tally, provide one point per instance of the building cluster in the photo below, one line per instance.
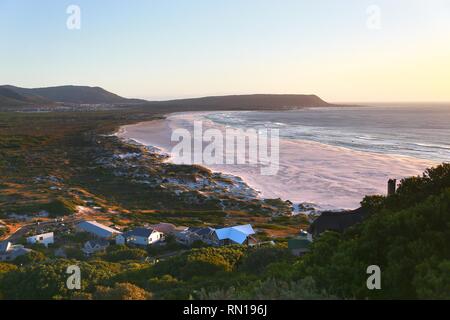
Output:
(103, 236)
(10, 251)
(243, 234)
(156, 234)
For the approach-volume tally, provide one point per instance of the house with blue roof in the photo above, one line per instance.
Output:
(236, 235)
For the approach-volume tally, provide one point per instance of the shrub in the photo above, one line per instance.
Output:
(257, 260)
(121, 291)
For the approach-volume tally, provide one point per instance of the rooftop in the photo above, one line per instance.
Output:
(201, 231)
(97, 228)
(100, 242)
(45, 235)
(4, 246)
(237, 234)
(140, 232)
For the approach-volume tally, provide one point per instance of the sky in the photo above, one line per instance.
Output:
(341, 50)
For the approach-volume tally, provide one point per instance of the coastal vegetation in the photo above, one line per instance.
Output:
(406, 240)
(55, 162)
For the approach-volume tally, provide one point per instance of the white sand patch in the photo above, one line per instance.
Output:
(331, 177)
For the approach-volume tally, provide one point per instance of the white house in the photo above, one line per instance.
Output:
(45, 239)
(140, 236)
(97, 229)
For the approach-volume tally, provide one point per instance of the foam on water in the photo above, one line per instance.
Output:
(422, 132)
(331, 158)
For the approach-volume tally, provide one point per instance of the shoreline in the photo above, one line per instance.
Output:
(323, 176)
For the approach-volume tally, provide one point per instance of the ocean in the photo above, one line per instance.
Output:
(417, 131)
(329, 158)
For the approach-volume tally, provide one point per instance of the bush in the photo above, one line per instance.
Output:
(257, 260)
(121, 291)
(48, 280)
(60, 207)
(202, 262)
(75, 254)
(408, 239)
(122, 253)
(3, 231)
(32, 257)
(270, 289)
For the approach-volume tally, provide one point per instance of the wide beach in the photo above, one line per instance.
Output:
(327, 176)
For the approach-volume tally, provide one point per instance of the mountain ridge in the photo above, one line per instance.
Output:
(249, 101)
(12, 96)
(69, 94)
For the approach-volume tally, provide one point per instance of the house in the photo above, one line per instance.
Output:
(96, 245)
(9, 251)
(235, 235)
(336, 221)
(300, 245)
(140, 236)
(205, 234)
(45, 239)
(97, 229)
(190, 235)
(186, 237)
(166, 228)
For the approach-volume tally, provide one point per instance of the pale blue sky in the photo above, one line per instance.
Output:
(178, 48)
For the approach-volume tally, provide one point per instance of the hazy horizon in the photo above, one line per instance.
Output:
(158, 50)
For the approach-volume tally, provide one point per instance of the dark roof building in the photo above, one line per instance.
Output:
(95, 245)
(98, 242)
(140, 236)
(139, 232)
(202, 232)
(337, 221)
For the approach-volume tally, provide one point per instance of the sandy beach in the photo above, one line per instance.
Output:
(327, 176)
